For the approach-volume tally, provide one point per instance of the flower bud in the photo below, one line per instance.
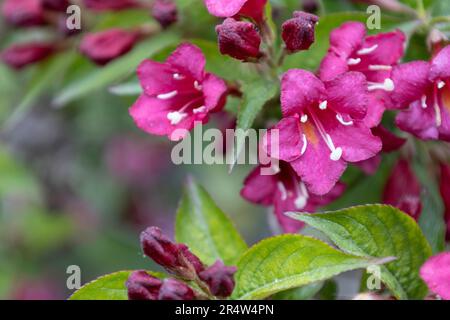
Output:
(21, 55)
(105, 46)
(310, 6)
(165, 12)
(239, 39)
(173, 289)
(142, 286)
(23, 13)
(56, 5)
(219, 279)
(298, 32)
(113, 5)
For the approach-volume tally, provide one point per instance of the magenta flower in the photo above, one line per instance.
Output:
(23, 13)
(352, 50)
(286, 192)
(178, 93)
(219, 278)
(113, 5)
(239, 39)
(104, 46)
(165, 12)
(298, 32)
(424, 88)
(436, 274)
(403, 190)
(20, 55)
(229, 8)
(322, 127)
(445, 194)
(56, 5)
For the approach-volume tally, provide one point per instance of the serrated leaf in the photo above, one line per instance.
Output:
(288, 261)
(205, 228)
(379, 231)
(114, 71)
(107, 287)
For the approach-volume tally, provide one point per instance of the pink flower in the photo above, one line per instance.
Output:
(239, 39)
(403, 190)
(322, 127)
(104, 46)
(21, 55)
(445, 193)
(298, 32)
(56, 5)
(165, 12)
(436, 274)
(23, 13)
(286, 192)
(424, 88)
(229, 8)
(177, 93)
(114, 5)
(352, 50)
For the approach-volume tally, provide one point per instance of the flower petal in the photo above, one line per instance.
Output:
(259, 188)
(188, 59)
(440, 65)
(300, 89)
(155, 77)
(224, 8)
(332, 66)
(214, 90)
(418, 121)
(281, 206)
(436, 274)
(375, 111)
(389, 48)
(348, 94)
(290, 143)
(347, 38)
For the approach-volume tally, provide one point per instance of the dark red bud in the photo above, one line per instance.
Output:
(173, 289)
(219, 278)
(113, 5)
(142, 286)
(23, 13)
(390, 141)
(298, 32)
(21, 55)
(310, 6)
(403, 190)
(56, 5)
(165, 12)
(239, 39)
(191, 260)
(105, 46)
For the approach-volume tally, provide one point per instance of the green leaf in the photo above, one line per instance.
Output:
(302, 293)
(102, 77)
(107, 287)
(288, 261)
(205, 228)
(379, 231)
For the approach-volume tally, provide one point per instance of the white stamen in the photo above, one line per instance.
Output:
(353, 62)
(388, 85)
(423, 101)
(305, 144)
(438, 115)
(302, 198)
(178, 76)
(168, 95)
(369, 50)
(441, 84)
(199, 110)
(198, 86)
(336, 153)
(304, 118)
(379, 67)
(176, 117)
(342, 121)
(282, 189)
(323, 105)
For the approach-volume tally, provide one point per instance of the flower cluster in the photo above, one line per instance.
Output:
(101, 47)
(216, 280)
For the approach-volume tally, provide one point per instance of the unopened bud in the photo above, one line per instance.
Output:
(298, 32)
(142, 286)
(219, 278)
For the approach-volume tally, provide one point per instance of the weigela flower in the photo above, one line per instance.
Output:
(55, 5)
(403, 190)
(178, 93)
(23, 13)
(352, 50)
(445, 193)
(105, 5)
(285, 191)
(229, 8)
(219, 278)
(322, 127)
(142, 286)
(239, 39)
(436, 274)
(21, 55)
(105, 46)
(298, 32)
(174, 257)
(173, 289)
(424, 88)
(165, 12)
